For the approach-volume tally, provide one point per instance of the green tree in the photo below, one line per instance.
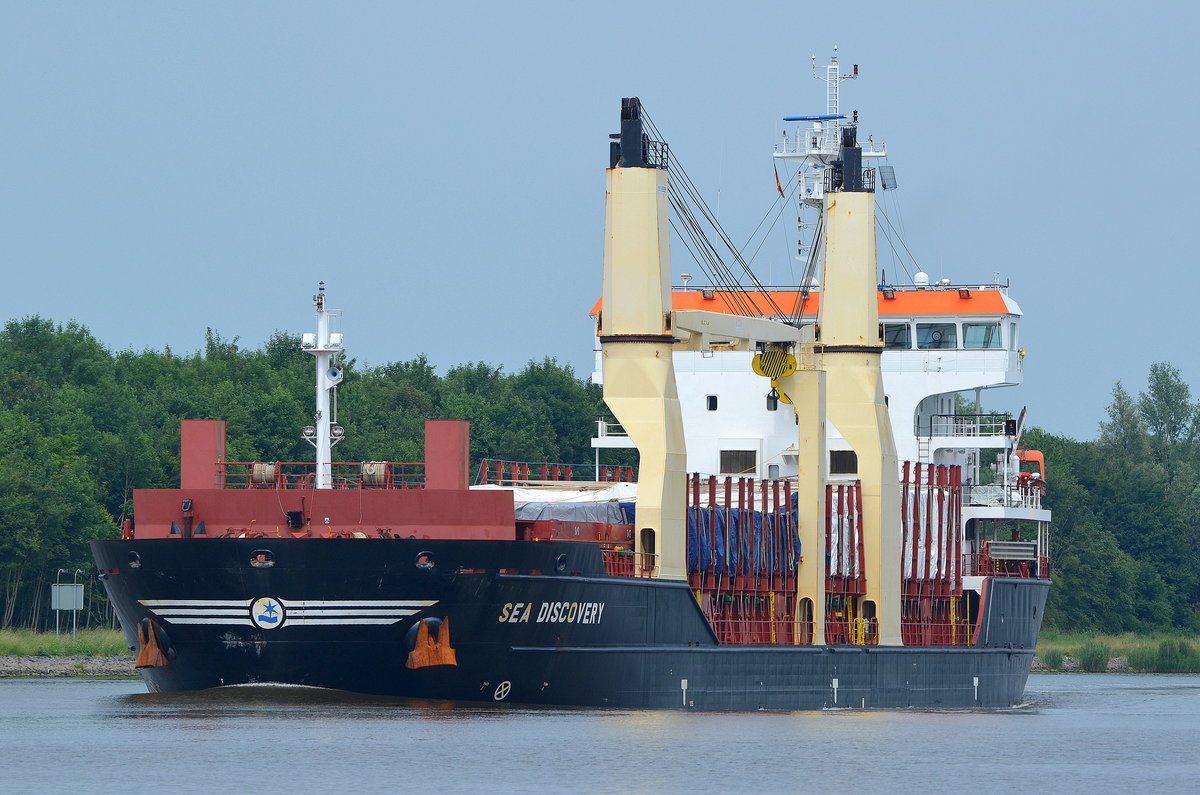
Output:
(1124, 434)
(1169, 414)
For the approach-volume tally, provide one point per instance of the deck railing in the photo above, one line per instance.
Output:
(535, 473)
(1027, 492)
(302, 475)
(627, 563)
(963, 425)
(982, 564)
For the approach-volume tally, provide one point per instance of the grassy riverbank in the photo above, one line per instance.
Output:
(88, 643)
(1057, 651)
(1067, 651)
(94, 652)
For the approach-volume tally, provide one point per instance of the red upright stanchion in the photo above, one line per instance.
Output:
(944, 531)
(828, 532)
(752, 558)
(776, 538)
(741, 525)
(712, 527)
(693, 497)
(862, 557)
(904, 529)
(790, 547)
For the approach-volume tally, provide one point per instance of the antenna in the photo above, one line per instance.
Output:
(831, 74)
(817, 147)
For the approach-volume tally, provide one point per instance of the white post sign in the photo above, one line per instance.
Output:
(66, 596)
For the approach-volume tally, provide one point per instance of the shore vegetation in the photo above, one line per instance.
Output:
(87, 643)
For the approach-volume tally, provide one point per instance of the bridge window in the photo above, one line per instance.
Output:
(981, 335)
(897, 336)
(1012, 335)
(711, 402)
(937, 335)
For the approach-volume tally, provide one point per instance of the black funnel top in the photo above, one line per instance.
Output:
(633, 148)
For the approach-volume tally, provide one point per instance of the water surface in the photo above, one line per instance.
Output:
(1077, 733)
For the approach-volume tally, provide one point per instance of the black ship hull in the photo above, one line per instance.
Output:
(529, 622)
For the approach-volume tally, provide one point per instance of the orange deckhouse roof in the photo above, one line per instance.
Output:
(905, 304)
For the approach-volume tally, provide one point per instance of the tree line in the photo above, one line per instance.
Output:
(81, 427)
(1126, 533)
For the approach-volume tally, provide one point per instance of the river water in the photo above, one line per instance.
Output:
(1078, 733)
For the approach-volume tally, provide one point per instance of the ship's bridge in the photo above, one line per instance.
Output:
(939, 340)
(939, 343)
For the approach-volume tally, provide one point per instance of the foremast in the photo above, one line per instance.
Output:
(324, 433)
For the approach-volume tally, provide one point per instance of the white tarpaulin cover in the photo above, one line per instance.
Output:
(570, 505)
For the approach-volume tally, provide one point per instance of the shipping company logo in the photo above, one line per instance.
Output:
(267, 612)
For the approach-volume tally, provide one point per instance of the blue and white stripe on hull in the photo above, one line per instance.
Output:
(269, 613)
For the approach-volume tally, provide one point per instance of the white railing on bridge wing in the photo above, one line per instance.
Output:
(965, 425)
(1000, 496)
(606, 428)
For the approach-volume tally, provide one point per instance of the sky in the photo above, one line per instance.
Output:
(168, 167)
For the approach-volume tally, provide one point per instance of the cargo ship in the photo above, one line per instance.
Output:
(841, 579)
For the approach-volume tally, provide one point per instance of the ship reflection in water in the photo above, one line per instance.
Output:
(1078, 732)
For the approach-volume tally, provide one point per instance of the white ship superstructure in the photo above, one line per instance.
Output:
(946, 346)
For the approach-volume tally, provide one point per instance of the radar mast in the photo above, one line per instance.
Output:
(324, 433)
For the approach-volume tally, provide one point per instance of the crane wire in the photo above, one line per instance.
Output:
(695, 216)
(899, 237)
(895, 254)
